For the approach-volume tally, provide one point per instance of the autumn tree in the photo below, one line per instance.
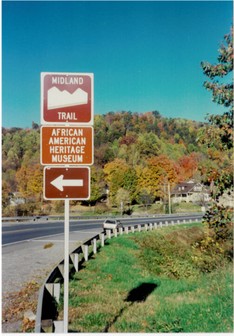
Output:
(122, 199)
(97, 184)
(29, 180)
(114, 176)
(153, 178)
(188, 166)
(5, 194)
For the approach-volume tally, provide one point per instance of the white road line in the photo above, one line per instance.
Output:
(51, 241)
(97, 232)
(28, 240)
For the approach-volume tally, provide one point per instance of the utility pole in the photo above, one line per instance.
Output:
(169, 197)
(121, 208)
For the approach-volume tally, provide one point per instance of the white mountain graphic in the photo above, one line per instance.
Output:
(59, 99)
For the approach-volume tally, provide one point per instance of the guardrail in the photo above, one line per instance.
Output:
(74, 217)
(50, 292)
(61, 217)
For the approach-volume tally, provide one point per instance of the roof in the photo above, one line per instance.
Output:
(187, 187)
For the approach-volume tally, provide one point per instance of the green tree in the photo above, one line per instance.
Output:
(148, 144)
(222, 94)
(97, 184)
(220, 130)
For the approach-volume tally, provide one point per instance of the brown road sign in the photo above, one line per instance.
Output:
(67, 183)
(66, 145)
(67, 98)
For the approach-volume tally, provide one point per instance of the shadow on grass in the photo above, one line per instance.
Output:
(137, 294)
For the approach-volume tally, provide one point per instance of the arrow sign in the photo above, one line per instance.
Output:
(67, 183)
(59, 183)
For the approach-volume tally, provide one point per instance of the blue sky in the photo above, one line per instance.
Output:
(144, 55)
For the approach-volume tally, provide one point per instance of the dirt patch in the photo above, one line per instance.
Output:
(185, 236)
(16, 305)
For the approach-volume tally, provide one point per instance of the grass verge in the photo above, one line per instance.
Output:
(150, 282)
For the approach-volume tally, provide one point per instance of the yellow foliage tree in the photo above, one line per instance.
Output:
(29, 180)
(114, 175)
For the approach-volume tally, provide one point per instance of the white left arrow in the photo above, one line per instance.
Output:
(59, 183)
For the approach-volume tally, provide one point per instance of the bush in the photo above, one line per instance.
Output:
(169, 254)
(216, 246)
(219, 219)
(101, 208)
(26, 209)
(208, 254)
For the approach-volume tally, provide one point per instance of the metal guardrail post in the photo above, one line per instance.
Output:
(102, 238)
(54, 290)
(85, 250)
(75, 260)
(94, 246)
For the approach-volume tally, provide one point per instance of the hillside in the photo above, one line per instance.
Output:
(135, 156)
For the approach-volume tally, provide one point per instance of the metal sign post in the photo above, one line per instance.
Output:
(66, 266)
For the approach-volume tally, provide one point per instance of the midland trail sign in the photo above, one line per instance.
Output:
(66, 145)
(66, 98)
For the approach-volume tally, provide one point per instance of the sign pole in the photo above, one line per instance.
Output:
(66, 266)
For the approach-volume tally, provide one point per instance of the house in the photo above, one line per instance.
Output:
(190, 192)
(16, 199)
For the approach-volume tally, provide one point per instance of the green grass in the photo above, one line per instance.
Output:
(178, 296)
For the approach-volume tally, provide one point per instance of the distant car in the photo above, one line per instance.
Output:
(45, 217)
(111, 224)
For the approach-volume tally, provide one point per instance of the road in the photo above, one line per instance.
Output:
(19, 232)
